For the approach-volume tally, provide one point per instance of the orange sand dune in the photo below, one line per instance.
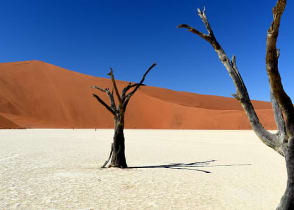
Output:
(5, 123)
(35, 94)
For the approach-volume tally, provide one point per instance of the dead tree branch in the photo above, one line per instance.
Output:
(142, 80)
(126, 89)
(272, 57)
(115, 86)
(110, 95)
(279, 118)
(136, 86)
(104, 104)
(283, 100)
(241, 95)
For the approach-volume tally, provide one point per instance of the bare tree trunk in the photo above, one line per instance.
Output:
(285, 102)
(118, 158)
(287, 201)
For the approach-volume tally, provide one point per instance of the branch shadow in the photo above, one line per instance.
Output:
(189, 166)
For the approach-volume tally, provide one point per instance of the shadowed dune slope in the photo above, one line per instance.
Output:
(5, 123)
(35, 94)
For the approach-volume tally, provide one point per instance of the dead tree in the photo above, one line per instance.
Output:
(282, 141)
(117, 153)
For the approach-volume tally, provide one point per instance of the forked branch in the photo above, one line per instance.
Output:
(126, 89)
(110, 96)
(125, 97)
(104, 104)
(242, 95)
(142, 80)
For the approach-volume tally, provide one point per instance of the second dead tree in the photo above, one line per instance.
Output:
(117, 153)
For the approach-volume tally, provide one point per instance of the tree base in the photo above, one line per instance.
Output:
(287, 201)
(117, 166)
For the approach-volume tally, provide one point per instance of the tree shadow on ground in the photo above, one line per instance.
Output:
(189, 166)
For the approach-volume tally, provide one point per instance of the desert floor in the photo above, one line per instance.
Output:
(170, 169)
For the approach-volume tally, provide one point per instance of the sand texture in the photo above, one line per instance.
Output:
(35, 94)
(170, 169)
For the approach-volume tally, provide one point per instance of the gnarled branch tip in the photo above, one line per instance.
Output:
(184, 26)
(111, 72)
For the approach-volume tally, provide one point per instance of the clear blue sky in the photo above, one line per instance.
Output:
(89, 36)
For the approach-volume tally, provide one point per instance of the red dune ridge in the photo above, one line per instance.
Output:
(35, 94)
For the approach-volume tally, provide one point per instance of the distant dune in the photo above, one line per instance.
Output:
(35, 94)
(5, 123)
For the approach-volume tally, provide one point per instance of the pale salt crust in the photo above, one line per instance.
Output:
(59, 169)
